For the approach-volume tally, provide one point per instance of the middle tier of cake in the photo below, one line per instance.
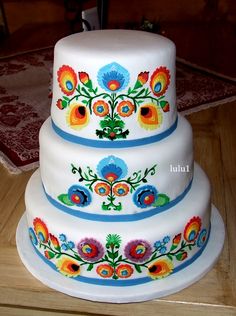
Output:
(116, 184)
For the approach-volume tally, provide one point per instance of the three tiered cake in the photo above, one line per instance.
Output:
(118, 202)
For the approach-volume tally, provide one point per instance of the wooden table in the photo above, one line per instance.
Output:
(215, 294)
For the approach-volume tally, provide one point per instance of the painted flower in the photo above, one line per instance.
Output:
(165, 106)
(112, 168)
(160, 81)
(105, 270)
(192, 229)
(124, 271)
(166, 239)
(67, 79)
(149, 116)
(49, 254)
(145, 196)
(32, 236)
(181, 256)
(121, 189)
(163, 249)
(142, 79)
(55, 241)
(84, 79)
(41, 230)
(90, 249)
(64, 247)
(101, 108)
(176, 240)
(113, 77)
(61, 104)
(71, 244)
(79, 195)
(102, 188)
(160, 268)
(202, 238)
(78, 116)
(138, 250)
(113, 240)
(62, 237)
(68, 266)
(125, 108)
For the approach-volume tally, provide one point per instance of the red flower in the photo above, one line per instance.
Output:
(59, 104)
(84, 77)
(176, 239)
(54, 241)
(143, 77)
(48, 254)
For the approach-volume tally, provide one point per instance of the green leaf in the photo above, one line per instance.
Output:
(66, 98)
(137, 268)
(161, 200)
(65, 199)
(170, 257)
(85, 102)
(113, 255)
(90, 267)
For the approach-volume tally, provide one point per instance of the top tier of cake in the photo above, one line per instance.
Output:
(114, 88)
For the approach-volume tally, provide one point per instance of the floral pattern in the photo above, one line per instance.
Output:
(112, 258)
(111, 182)
(117, 102)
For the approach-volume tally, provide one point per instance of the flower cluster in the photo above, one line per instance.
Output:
(110, 182)
(110, 259)
(82, 98)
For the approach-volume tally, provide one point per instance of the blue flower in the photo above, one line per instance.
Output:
(163, 250)
(32, 236)
(62, 237)
(64, 247)
(79, 195)
(113, 77)
(112, 168)
(145, 196)
(202, 238)
(71, 244)
(157, 244)
(166, 239)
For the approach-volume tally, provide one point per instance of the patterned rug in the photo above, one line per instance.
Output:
(25, 101)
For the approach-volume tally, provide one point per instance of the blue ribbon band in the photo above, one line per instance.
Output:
(117, 218)
(115, 143)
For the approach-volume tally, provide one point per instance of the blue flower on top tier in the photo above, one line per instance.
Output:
(79, 195)
(112, 168)
(145, 196)
(113, 77)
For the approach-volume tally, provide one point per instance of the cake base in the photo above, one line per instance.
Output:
(137, 293)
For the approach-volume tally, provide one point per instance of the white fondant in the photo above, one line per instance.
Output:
(57, 155)
(152, 229)
(136, 51)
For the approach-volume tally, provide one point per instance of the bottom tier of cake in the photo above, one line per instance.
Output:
(120, 253)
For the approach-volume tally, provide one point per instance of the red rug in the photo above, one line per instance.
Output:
(25, 102)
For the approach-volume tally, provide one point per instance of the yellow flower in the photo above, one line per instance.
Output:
(160, 268)
(68, 266)
(78, 116)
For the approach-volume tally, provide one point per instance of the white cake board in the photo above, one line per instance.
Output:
(126, 294)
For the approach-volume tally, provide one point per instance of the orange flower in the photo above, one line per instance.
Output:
(41, 230)
(101, 108)
(67, 79)
(83, 77)
(160, 269)
(125, 108)
(54, 241)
